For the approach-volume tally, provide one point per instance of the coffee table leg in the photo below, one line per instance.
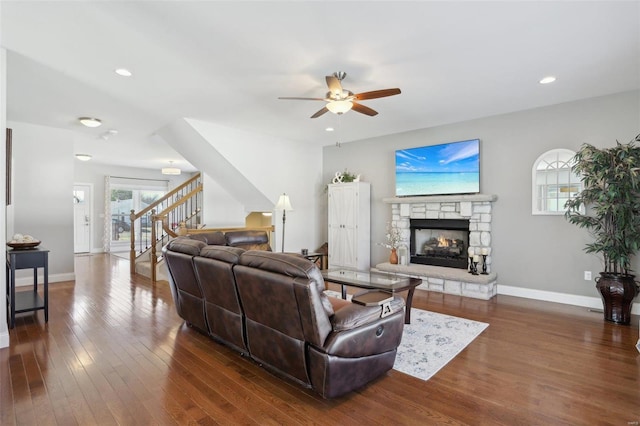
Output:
(344, 292)
(407, 312)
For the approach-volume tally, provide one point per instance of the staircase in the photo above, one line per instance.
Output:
(174, 214)
(177, 213)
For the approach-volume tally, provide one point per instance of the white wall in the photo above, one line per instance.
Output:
(42, 193)
(4, 330)
(275, 166)
(220, 209)
(532, 252)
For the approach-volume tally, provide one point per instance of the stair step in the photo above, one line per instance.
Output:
(144, 268)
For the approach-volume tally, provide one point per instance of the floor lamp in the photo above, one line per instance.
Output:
(285, 205)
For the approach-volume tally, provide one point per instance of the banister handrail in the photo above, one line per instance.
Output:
(183, 200)
(165, 197)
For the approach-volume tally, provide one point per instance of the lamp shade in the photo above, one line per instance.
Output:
(284, 203)
(339, 107)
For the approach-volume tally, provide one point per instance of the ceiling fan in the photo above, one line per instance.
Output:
(340, 100)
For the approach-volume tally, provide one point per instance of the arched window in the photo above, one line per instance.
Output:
(553, 183)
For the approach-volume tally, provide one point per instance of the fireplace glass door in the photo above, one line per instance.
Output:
(440, 242)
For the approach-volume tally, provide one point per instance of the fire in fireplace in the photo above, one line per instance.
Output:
(440, 242)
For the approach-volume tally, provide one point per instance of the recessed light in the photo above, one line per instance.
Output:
(329, 129)
(123, 72)
(547, 80)
(83, 157)
(90, 121)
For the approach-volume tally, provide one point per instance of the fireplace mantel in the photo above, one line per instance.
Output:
(441, 199)
(477, 209)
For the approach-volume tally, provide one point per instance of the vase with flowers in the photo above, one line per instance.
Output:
(393, 240)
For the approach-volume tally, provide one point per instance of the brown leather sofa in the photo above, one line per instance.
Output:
(248, 240)
(272, 308)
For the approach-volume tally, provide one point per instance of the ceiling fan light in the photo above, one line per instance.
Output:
(90, 121)
(339, 107)
(83, 157)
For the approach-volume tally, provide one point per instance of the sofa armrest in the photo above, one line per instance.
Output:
(359, 331)
(373, 338)
(353, 315)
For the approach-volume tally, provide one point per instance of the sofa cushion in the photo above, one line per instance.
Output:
(186, 245)
(291, 265)
(224, 253)
(248, 240)
(224, 315)
(211, 238)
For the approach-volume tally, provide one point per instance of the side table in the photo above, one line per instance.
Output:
(317, 258)
(26, 301)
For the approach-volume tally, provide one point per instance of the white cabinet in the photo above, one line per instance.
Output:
(349, 225)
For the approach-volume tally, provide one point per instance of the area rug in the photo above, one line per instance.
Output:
(431, 341)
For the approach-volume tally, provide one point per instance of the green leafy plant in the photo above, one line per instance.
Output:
(344, 177)
(348, 177)
(611, 196)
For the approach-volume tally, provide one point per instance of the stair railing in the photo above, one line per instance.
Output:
(181, 205)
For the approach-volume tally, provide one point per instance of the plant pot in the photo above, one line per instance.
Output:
(617, 292)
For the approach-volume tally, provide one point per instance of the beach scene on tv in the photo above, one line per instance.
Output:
(451, 168)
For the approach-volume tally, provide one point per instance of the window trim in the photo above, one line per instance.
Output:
(534, 186)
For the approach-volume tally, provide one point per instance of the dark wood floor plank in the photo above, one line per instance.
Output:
(7, 411)
(297, 402)
(115, 352)
(214, 376)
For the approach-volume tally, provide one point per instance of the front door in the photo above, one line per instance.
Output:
(81, 218)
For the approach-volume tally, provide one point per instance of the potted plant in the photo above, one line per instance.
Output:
(393, 240)
(611, 197)
(345, 177)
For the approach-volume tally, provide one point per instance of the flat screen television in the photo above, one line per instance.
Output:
(449, 168)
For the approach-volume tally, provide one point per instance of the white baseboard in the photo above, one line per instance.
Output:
(4, 339)
(552, 296)
(55, 278)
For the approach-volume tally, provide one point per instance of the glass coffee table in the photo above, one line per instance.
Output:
(389, 283)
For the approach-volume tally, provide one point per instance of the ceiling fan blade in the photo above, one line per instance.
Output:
(363, 109)
(334, 86)
(301, 99)
(319, 113)
(377, 94)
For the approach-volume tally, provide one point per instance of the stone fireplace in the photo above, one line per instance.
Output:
(432, 256)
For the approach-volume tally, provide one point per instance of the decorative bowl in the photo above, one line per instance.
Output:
(21, 246)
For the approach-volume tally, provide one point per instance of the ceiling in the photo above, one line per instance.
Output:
(228, 62)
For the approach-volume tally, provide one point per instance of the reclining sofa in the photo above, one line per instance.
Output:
(271, 307)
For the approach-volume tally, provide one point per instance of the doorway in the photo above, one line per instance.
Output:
(82, 197)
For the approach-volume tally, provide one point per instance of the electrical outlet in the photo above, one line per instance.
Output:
(587, 275)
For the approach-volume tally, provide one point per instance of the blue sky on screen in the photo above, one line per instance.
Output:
(451, 157)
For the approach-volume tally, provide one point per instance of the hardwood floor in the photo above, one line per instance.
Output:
(115, 352)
